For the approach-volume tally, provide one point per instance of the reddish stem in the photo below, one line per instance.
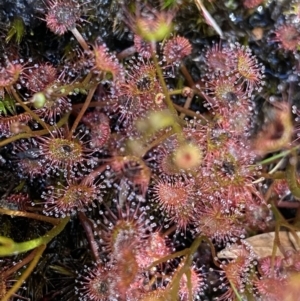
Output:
(126, 52)
(86, 224)
(82, 111)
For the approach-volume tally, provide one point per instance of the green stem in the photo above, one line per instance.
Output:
(163, 85)
(176, 127)
(156, 142)
(186, 266)
(28, 110)
(278, 175)
(175, 92)
(8, 247)
(65, 90)
(235, 291)
(275, 157)
(280, 222)
(291, 176)
(168, 257)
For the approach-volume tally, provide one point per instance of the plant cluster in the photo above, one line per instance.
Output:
(124, 173)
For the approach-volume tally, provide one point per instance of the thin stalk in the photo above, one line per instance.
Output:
(169, 231)
(268, 194)
(8, 247)
(287, 204)
(291, 176)
(89, 233)
(280, 222)
(168, 257)
(156, 142)
(176, 127)
(276, 167)
(186, 252)
(15, 138)
(276, 244)
(163, 85)
(187, 104)
(175, 92)
(186, 266)
(126, 52)
(297, 217)
(275, 157)
(235, 291)
(80, 39)
(82, 111)
(190, 113)
(93, 104)
(87, 80)
(209, 19)
(187, 76)
(37, 254)
(28, 110)
(189, 284)
(278, 175)
(35, 133)
(65, 90)
(18, 265)
(213, 251)
(51, 220)
(95, 173)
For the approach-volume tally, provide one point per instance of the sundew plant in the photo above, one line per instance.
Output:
(149, 150)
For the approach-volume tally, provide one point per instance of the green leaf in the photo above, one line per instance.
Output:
(16, 30)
